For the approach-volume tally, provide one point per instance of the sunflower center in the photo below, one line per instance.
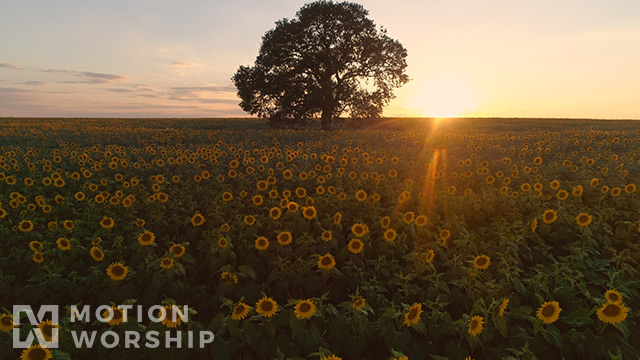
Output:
(305, 307)
(46, 330)
(96, 253)
(177, 250)
(25, 225)
(413, 314)
(262, 242)
(548, 216)
(611, 310)
(117, 270)
(146, 237)
(37, 354)
(474, 324)
(583, 218)
(356, 245)
(239, 309)
(7, 321)
(266, 306)
(548, 311)
(64, 243)
(106, 222)
(326, 261)
(117, 314)
(613, 297)
(481, 261)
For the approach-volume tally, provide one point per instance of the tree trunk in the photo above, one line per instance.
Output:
(325, 120)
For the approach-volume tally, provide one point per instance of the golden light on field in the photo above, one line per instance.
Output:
(444, 96)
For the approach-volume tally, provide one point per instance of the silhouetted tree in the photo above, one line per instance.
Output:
(329, 60)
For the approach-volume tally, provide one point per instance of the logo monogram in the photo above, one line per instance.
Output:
(52, 310)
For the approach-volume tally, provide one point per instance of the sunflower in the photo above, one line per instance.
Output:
(229, 277)
(36, 352)
(584, 219)
(172, 316)
(332, 357)
(613, 313)
(35, 245)
(361, 195)
(430, 256)
(481, 262)
(284, 238)
(240, 311)
(6, 322)
(562, 195)
(327, 235)
(337, 218)
(25, 226)
(223, 242)
(409, 217)
(37, 257)
(197, 219)
(292, 206)
(266, 307)
(249, 220)
(359, 303)
(503, 306)
(275, 213)
(421, 220)
(309, 212)
(613, 296)
(304, 309)
(146, 238)
(630, 188)
(117, 318)
(257, 200)
(106, 222)
(166, 263)
(412, 316)
(140, 222)
(262, 243)
(117, 271)
(385, 222)
(326, 262)
(549, 216)
(177, 250)
(49, 330)
(476, 325)
(63, 244)
(445, 235)
(359, 230)
(355, 246)
(549, 312)
(534, 225)
(96, 253)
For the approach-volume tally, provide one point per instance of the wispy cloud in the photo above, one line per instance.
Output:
(33, 83)
(180, 67)
(87, 77)
(203, 94)
(11, 66)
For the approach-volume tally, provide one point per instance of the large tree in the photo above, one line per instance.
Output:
(329, 60)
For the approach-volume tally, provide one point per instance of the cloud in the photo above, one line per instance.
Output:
(179, 67)
(95, 78)
(120, 90)
(200, 94)
(33, 82)
(11, 66)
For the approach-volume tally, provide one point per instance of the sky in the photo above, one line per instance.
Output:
(466, 58)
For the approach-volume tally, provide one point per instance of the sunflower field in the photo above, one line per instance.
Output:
(411, 239)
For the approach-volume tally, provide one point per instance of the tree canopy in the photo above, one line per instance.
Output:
(329, 60)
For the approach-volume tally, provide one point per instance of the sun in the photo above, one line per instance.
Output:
(443, 96)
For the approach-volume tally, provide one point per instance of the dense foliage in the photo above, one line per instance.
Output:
(443, 240)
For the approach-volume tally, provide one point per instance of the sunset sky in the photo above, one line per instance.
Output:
(491, 58)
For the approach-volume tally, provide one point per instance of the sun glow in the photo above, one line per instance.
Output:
(444, 96)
